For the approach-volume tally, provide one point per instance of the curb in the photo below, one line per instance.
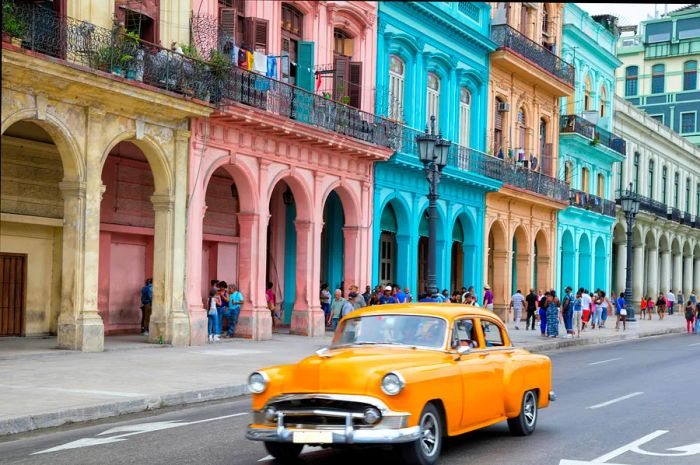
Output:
(76, 415)
(597, 340)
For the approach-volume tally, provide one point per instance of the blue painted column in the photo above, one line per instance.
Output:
(405, 252)
(290, 261)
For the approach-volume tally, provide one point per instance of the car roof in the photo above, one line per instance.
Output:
(445, 310)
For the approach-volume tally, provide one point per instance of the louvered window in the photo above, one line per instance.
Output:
(464, 116)
(396, 87)
(433, 100)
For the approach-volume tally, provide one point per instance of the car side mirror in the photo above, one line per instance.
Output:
(463, 350)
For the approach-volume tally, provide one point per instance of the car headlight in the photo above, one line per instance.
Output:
(257, 382)
(393, 383)
(372, 416)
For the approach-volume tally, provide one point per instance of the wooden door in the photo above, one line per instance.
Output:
(12, 293)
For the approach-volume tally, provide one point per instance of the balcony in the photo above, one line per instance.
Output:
(682, 47)
(574, 124)
(531, 58)
(592, 203)
(661, 210)
(215, 81)
(514, 174)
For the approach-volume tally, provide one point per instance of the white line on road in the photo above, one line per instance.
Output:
(605, 361)
(696, 344)
(77, 391)
(605, 404)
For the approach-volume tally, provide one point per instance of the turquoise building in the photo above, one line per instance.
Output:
(587, 151)
(433, 60)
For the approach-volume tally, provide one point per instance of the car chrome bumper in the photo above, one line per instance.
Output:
(552, 396)
(339, 436)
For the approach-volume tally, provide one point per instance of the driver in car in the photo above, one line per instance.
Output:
(429, 334)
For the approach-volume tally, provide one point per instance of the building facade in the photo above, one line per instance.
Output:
(527, 79)
(662, 168)
(95, 150)
(432, 61)
(660, 69)
(281, 178)
(588, 151)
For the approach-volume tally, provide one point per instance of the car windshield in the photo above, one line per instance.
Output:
(411, 330)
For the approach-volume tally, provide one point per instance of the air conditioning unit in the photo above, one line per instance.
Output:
(503, 106)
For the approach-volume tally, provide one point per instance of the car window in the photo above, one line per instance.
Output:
(464, 334)
(492, 334)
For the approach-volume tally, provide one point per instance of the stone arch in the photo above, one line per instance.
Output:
(68, 147)
(302, 197)
(348, 199)
(155, 155)
(242, 177)
(350, 19)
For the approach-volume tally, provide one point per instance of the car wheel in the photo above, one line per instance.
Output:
(426, 450)
(283, 451)
(524, 424)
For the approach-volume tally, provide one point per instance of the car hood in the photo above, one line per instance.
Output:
(351, 370)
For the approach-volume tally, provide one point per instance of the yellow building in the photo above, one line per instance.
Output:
(95, 144)
(526, 82)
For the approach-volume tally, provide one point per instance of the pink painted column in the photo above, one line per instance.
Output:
(195, 225)
(254, 320)
(307, 319)
(351, 235)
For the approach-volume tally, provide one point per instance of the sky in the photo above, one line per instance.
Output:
(629, 13)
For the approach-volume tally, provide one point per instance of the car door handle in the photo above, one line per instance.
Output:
(483, 355)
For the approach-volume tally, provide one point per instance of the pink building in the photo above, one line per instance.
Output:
(281, 177)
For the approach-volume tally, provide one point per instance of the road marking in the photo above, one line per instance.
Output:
(131, 430)
(605, 404)
(605, 361)
(634, 446)
(696, 344)
(306, 450)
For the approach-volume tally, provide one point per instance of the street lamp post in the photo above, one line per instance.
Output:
(630, 206)
(432, 152)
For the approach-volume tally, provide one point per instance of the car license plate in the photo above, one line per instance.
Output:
(312, 437)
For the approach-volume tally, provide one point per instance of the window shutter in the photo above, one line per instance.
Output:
(227, 21)
(355, 84)
(341, 76)
(305, 68)
(256, 34)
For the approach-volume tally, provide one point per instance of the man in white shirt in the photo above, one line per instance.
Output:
(585, 305)
(516, 303)
(671, 301)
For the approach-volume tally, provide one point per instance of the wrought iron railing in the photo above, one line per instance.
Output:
(509, 172)
(506, 36)
(217, 80)
(664, 211)
(579, 125)
(592, 202)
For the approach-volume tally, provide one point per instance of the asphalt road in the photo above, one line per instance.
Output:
(610, 398)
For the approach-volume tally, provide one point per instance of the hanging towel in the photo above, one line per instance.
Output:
(318, 81)
(260, 63)
(234, 57)
(272, 67)
(251, 60)
(242, 58)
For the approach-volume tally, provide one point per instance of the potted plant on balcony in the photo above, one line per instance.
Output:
(13, 28)
(218, 68)
(596, 140)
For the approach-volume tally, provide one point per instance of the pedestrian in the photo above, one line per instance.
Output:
(213, 315)
(697, 319)
(680, 299)
(325, 300)
(650, 307)
(670, 301)
(356, 289)
(445, 295)
(552, 315)
(543, 313)
(516, 304)
(597, 310)
(399, 294)
(427, 298)
(531, 300)
(689, 316)
(474, 301)
(270, 300)
(463, 295)
(222, 306)
(586, 303)
(621, 313)
(409, 297)
(214, 285)
(488, 297)
(387, 298)
(146, 305)
(606, 304)
(356, 300)
(661, 306)
(367, 295)
(567, 309)
(643, 308)
(693, 297)
(234, 308)
(577, 314)
(337, 308)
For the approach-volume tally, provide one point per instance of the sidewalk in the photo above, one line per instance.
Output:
(43, 387)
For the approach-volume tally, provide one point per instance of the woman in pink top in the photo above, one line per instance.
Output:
(270, 298)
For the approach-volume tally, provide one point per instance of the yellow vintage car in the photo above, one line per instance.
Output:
(405, 375)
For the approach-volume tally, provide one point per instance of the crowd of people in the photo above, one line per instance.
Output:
(224, 302)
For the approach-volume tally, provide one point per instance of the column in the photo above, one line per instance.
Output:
(404, 274)
(501, 285)
(351, 267)
(637, 274)
(677, 273)
(306, 319)
(255, 320)
(665, 275)
(696, 275)
(652, 273)
(621, 267)
(687, 276)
